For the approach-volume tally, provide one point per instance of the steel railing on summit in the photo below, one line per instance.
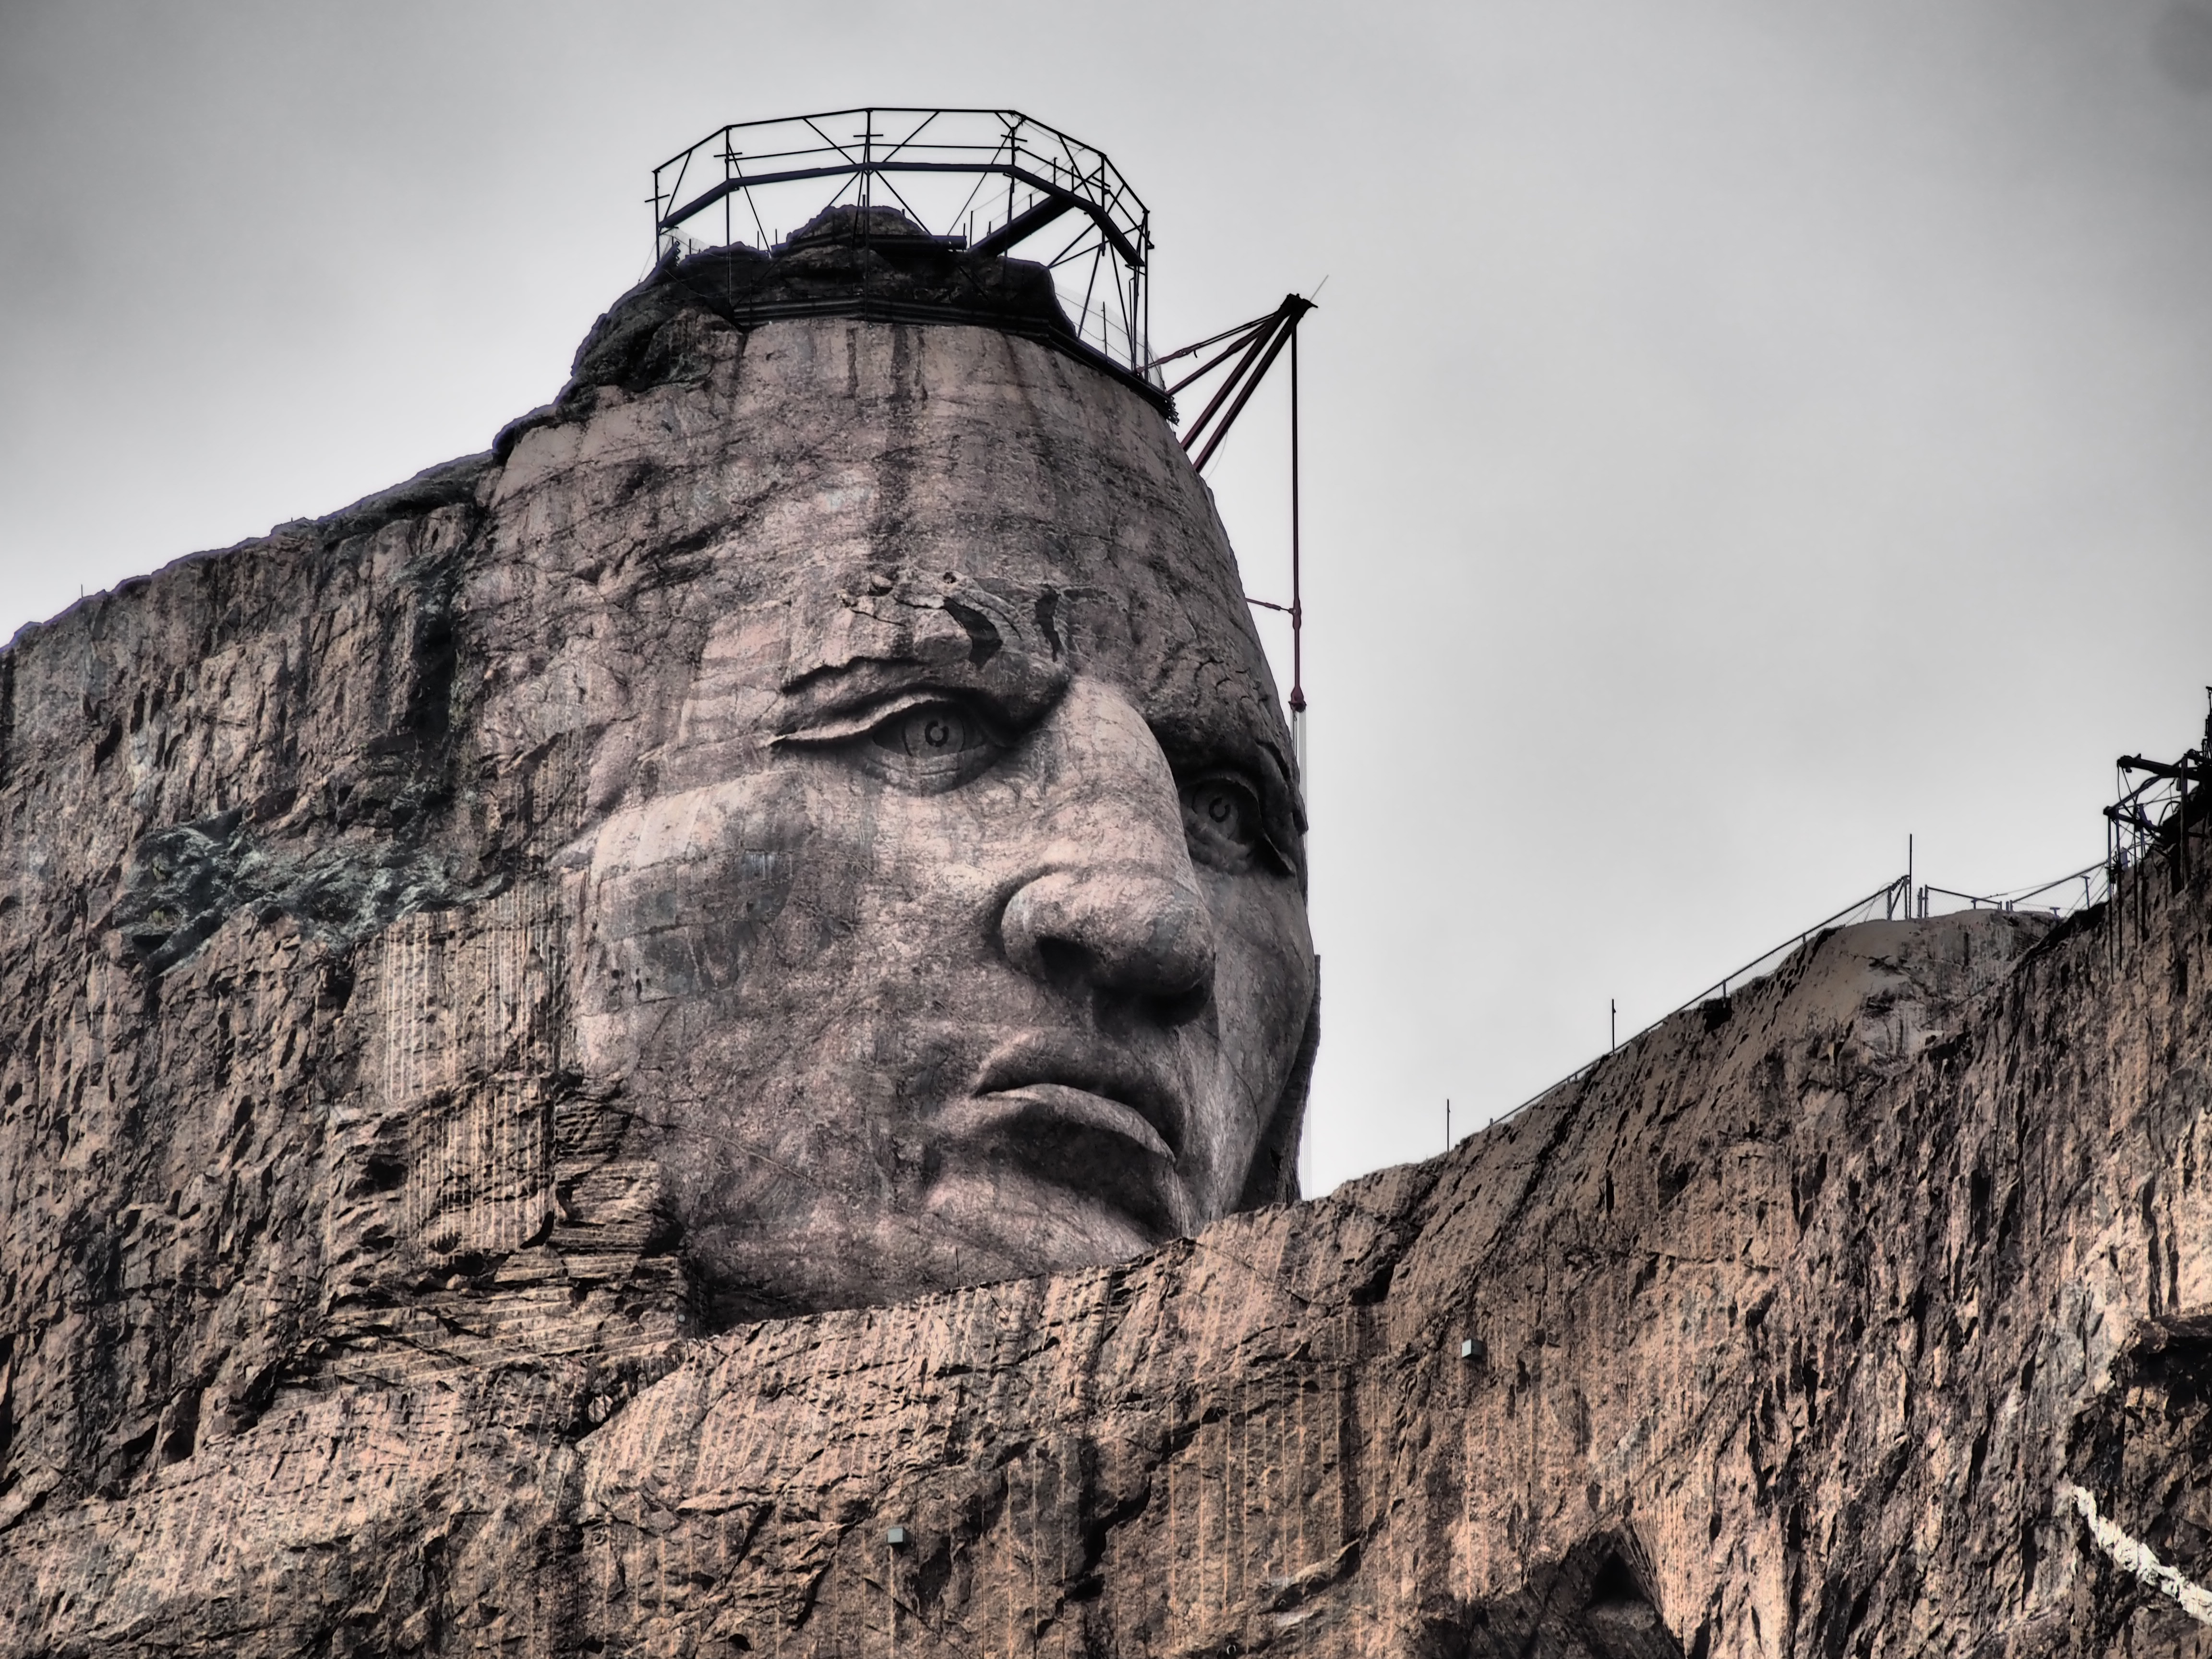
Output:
(987, 181)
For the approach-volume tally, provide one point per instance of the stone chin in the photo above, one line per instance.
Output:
(941, 914)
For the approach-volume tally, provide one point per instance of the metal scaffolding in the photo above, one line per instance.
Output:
(2162, 811)
(984, 180)
(1245, 355)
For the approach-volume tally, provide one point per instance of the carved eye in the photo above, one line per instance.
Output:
(932, 745)
(1222, 821)
(934, 732)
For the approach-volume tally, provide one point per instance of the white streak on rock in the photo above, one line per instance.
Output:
(2131, 1555)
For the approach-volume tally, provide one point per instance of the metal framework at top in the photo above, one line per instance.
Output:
(987, 181)
(1245, 355)
(2154, 815)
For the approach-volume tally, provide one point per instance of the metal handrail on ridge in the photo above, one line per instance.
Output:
(1894, 895)
(918, 161)
(1897, 896)
(2149, 816)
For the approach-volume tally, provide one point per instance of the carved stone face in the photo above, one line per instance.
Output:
(958, 930)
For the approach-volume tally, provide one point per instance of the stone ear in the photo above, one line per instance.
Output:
(1274, 1177)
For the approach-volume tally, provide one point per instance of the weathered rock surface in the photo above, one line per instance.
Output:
(342, 1308)
(1791, 1324)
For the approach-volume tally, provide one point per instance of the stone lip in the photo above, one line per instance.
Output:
(872, 264)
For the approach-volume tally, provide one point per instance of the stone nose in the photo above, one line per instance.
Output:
(1128, 927)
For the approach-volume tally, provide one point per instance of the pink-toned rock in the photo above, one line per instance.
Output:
(369, 1282)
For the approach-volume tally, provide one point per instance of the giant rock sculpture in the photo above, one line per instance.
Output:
(687, 1037)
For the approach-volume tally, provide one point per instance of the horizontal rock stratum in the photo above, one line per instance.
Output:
(388, 907)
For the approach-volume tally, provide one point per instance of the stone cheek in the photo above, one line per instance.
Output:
(680, 894)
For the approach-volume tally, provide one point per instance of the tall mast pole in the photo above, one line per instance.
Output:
(1298, 604)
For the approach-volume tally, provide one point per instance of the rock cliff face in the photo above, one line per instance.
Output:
(1800, 1325)
(341, 1309)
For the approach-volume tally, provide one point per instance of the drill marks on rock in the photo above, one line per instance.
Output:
(469, 1006)
(2134, 1557)
(1057, 1451)
(536, 796)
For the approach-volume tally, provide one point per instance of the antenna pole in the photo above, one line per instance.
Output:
(1298, 596)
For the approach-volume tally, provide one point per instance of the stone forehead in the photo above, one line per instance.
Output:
(849, 488)
(817, 441)
(1134, 627)
(912, 444)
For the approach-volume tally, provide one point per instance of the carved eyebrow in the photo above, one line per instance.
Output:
(1015, 683)
(1200, 709)
(813, 681)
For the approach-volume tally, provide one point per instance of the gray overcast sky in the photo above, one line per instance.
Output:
(1738, 432)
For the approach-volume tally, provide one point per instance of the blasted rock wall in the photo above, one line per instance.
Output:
(1796, 1326)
